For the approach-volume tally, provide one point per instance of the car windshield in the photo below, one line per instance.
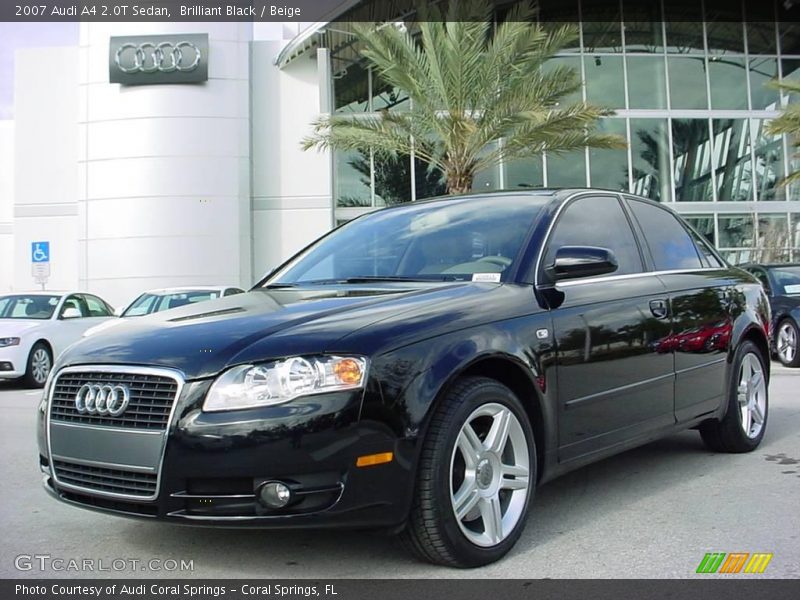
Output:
(152, 303)
(444, 240)
(33, 306)
(787, 280)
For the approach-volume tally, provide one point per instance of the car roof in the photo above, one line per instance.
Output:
(558, 194)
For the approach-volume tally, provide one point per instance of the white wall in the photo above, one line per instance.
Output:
(45, 162)
(164, 169)
(6, 205)
(291, 188)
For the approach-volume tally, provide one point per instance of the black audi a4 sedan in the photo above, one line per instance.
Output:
(422, 369)
(781, 283)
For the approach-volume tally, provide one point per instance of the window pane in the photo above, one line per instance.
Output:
(650, 152)
(736, 231)
(692, 155)
(773, 238)
(669, 243)
(428, 182)
(596, 222)
(609, 168)
(392, 180)
(795, 235)
(567, 170)
(761, 38)
(487, 179)
(789, 34)
(647, 83)
(687, 82)
(728, 82)
(762, 70)
(704, 225)
(724, 30)
(524, 173)
(351, 178)
(605, 84)
(556, 13)
(602, 36)
(684, 26)
(351, 90)
(769, 162)
(642, 24)
(732, 162)
(573, 63)
(386, 96)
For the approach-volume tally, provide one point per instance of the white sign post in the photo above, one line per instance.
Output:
(40, 262)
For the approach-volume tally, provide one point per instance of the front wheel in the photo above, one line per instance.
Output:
(786, 342)
(742, 428)
(40, 361)
(475, 479)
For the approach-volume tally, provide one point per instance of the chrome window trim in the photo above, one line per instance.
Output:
(173, 374)
(604, 278)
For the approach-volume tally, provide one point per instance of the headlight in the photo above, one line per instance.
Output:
(9, 342)
(248, 386)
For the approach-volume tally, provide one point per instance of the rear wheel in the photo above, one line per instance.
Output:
(742, 428)
(475, 479)
(786, 342)
(40, 361)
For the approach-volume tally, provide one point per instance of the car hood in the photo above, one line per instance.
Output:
(201, 340)
(16, 327)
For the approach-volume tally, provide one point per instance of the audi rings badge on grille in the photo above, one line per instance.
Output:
(164, 57)
(102, 399)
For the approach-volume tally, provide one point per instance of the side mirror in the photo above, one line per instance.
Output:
(572, 262)
(71, 313)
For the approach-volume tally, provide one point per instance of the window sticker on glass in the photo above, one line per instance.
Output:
(792, 289)
(486, 277)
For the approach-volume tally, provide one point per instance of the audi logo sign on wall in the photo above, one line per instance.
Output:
(153, 59)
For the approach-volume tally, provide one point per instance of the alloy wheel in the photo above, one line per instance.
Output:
(40, 365)
(489, 475)
(752, 395)
(787, 343)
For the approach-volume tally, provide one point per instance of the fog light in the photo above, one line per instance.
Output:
(275, 494)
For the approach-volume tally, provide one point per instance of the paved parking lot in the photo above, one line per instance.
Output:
(649, 513)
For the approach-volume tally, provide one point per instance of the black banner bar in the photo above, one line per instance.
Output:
(357, 10)
(462, 588)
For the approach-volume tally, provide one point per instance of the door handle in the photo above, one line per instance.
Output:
(658, 308)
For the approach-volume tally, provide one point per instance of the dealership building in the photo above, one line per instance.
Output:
(161, 181)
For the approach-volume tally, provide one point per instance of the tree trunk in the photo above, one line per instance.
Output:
(459, 183)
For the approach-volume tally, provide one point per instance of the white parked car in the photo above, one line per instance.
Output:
(35, 327)
(155, 301)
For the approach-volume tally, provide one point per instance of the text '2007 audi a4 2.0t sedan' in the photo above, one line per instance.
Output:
(421, 368)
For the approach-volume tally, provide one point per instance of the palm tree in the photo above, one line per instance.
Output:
(788, 123)
(479, 93)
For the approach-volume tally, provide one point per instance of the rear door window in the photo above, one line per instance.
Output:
(671, 246)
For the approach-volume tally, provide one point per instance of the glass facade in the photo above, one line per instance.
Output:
(687, 82)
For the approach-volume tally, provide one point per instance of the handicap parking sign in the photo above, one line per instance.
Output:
(40, 252)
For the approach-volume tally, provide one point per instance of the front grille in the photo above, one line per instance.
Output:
(101, 479)
(152, 397)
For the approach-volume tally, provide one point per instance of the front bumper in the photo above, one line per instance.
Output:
(14, 357)
(214, 463)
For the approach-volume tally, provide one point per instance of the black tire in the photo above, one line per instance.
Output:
(727, 434)
(34, 375)
(433, 532)
(795, 331)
